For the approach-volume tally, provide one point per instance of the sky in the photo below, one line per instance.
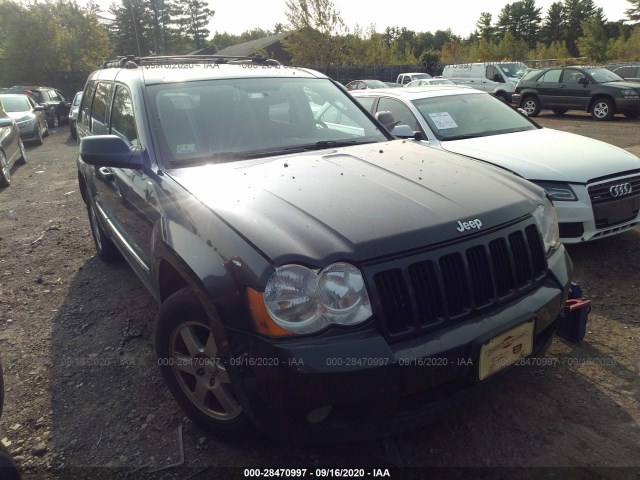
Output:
(237, 16)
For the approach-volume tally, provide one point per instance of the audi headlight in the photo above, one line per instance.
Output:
(300, 300)
(559, 191)
(630, 94)
(547, 220)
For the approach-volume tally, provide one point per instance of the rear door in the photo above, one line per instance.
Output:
(548, 87)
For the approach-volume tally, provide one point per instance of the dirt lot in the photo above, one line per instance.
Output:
(83, 388)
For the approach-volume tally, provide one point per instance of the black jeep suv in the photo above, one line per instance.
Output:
(313, 272)
(596, 90)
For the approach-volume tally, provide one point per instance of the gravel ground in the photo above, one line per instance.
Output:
(83, 389)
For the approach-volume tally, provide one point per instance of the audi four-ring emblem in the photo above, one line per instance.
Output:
(620, 190)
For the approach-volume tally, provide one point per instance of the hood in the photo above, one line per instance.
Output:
(623, 85)
(547, 154)
(21, 116)
(357, 203)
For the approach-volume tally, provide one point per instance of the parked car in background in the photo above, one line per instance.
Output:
(73, 114)
(56, 103)
(29, 116)
(591, 89)
(594, 186)
(405, 78)
(429, 81)
(496, 78)
(392, 84)
(281, 248)
(628, 72)
(11, 147)
(365, 84)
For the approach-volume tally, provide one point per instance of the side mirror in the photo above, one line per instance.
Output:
(583, 81)
(38, 108)
(5, 122)
(403, 131)
(386, 119)
(110, 151)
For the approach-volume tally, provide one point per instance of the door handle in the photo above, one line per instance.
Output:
(106, 174)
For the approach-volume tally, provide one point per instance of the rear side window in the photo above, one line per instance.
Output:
(99, 124)
(552, 76)
(53, 95)
(122, 120)
(83, 111)
(401, 113)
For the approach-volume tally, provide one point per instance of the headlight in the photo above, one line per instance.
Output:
(559, 191)
(303, 301)
(630, 94)
(547, 220)
(26, 123)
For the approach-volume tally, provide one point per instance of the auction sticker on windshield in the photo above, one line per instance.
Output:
(506, 348)
(443, 120)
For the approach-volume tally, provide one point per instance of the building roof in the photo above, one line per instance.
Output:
(253, 46)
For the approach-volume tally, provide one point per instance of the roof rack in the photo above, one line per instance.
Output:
(131, 61)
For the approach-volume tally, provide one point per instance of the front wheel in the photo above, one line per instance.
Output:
(5, 171)
(23, 153)
(189, 360)
(602, 109)
(531, 106)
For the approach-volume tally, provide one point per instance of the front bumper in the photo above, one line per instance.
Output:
(515, 99)
(578, 223)
(628, 105)
(358, 385)
(29, 133)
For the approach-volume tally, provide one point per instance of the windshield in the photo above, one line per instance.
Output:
(232, 119)
(418, 76)
(16, 104)
(514, 69)
(602, 75)
(456, 117)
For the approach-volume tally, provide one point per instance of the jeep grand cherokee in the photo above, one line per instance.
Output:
(313, 272)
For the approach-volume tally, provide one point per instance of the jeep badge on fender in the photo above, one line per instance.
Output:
(462, 226)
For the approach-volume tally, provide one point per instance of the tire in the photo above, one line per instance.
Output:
(632, 114)
(105, 249)
(5, 171)
(40, 137)
(8, 468)
(560, 111)
(502, 97)
(602, 109)
(74, 132)
(55, 121)
(203, 390)
(531, 105)
(23, 154)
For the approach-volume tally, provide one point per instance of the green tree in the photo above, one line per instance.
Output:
(130, 29)
(484, 28)
(553, 27)
(625, 48)
(40, 39)
(315, 25)
(593, 42)
(633, 12)
(575, 12)
(189, 19)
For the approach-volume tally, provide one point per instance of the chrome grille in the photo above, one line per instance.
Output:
(600, 193)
